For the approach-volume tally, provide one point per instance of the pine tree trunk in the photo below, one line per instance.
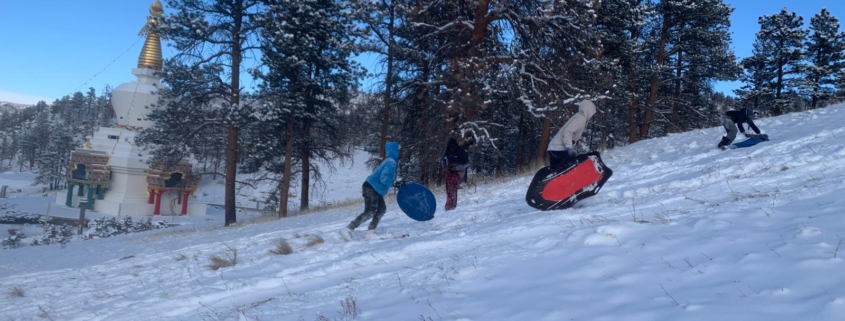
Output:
(676, 117)
(655, 79)
(520, 149)
(544, 139)
(778, 111)
(231, 174)
(815, 94)
(216, 163)
(285, 188)
(388, 91)
(231, 131)
(632, 89)
(305, 152)
(632, 112)
(423, 147)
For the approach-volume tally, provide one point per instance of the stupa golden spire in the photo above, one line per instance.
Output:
(151, 53)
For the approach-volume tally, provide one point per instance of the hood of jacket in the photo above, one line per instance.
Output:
(452, 145)
(750, 113)
(587, 108)
(392, 150)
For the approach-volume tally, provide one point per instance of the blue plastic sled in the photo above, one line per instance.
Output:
(751, 141)
(417, 202)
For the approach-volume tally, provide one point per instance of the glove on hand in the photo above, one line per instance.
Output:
(399, 183)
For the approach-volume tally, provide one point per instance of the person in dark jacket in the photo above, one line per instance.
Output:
(734, 119)
(455, 161)
(373, 190)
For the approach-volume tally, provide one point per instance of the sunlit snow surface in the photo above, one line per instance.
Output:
(682, 231)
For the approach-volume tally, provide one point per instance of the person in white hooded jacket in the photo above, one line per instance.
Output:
(561, 146)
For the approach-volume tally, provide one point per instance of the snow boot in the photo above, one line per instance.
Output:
(723, 143)
(346, 234)
(371, 235)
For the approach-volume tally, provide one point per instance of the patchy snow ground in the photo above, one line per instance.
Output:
(682, 231)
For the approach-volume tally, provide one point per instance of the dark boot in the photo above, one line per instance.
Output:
(725, 142)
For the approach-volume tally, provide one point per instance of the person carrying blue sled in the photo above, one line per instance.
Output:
(374, 189)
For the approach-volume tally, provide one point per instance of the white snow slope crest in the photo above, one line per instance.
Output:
(682, 231)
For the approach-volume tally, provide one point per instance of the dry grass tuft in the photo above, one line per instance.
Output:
(282, 247)
(218, 261)
(16, 292)
(350, 307)
(260, 219)
(43, 314)
(314, 241)
(327, 206)
(176, 232)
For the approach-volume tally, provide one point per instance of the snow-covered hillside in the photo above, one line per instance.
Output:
(682, 231)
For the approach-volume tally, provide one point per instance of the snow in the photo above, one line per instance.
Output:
(682, 231)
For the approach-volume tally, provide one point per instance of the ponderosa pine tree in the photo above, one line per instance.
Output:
(212, 38)
(701, 54)
(621, 25)
(839, 83)
(825, 53)
(382, 19)
(105, 113)
(53, 161)
(472, 49)
(36, 134)
(690, 48)
(453, 52)
(306, 50)
(779, 45)
(757, 91)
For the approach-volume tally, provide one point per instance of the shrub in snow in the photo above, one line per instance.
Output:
(61, 235)
(19, 217)
(14, 239)
(110, 226)
(101, 228)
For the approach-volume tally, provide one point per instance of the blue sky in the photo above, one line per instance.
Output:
(51, 48)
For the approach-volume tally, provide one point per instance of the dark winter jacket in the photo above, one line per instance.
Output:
(455, 155)
(382, 178)
(743, 116)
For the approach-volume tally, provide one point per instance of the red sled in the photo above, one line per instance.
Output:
(561, 187)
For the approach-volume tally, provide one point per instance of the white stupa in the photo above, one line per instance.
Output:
(111, 173)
